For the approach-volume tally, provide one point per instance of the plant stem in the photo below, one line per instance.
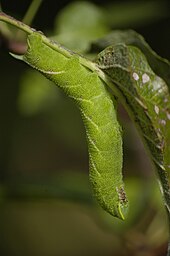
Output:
(31, 12)
(18, 24)
(4, 28)
(29, 16)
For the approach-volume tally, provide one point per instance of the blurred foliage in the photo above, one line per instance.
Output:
(77, 226)
(36, 93)
(79, 24)
(126, 14)
(46, 203)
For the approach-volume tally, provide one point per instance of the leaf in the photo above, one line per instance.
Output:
(146, 97)
(159, 65)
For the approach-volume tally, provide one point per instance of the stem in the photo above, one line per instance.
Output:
(27, 29)
(30, 14)
(4, 29)
(18, 24)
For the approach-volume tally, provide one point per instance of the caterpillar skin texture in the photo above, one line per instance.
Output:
(147, 97)
(99, 117)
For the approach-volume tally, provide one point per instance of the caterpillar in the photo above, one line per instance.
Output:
(146, 97)
(98, 113)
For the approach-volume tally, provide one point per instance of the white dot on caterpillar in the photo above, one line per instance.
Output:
(145, 78)
(156, 108)
(135, 76)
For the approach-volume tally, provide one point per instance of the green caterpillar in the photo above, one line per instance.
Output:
(98, 113)
(146, 97)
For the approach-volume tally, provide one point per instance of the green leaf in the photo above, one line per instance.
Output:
(146, 97)
(159, 65)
